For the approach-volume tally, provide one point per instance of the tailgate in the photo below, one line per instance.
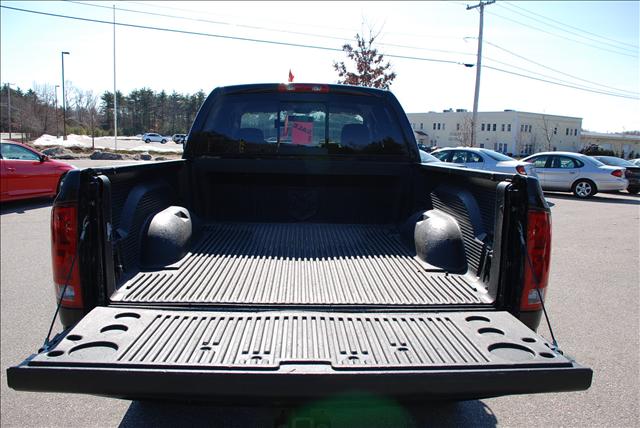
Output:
(148, 353)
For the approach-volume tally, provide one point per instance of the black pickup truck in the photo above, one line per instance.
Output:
(298, 250)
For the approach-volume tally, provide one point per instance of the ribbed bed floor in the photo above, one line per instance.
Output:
(301, 264)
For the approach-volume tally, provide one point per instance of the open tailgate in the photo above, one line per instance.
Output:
(229, 356)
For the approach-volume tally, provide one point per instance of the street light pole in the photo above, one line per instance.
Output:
(55, 109)
(64, 102)
(115, 93)
(9, 102)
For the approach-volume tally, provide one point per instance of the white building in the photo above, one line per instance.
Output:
(623, 145)
(509, 131)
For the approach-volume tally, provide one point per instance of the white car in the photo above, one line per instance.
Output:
(153, 137)
(476, 158)
(574, 172)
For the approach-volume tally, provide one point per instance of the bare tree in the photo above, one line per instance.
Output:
(463, 133)
(370, 68)
(43, 109)
(548, 131)
(520, 141)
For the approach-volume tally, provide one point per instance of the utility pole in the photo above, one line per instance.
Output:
(474, 125)
(64, 103)
(55, 110)
(115, 94)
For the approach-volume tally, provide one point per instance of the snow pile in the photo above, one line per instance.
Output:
(126, 143)
(72, 141)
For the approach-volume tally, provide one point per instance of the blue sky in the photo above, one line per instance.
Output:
(589, 44)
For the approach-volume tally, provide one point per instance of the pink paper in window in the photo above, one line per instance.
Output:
(301, 132)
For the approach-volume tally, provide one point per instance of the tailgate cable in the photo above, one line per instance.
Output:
(47, 341)
(540, 296)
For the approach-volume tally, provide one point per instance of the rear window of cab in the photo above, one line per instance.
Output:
(313, 125)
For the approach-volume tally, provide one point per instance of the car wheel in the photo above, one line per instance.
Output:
(163, 141)
(147, 141)
(584, 189)
(633, 190)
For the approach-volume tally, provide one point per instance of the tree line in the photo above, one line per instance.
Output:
(34, 111)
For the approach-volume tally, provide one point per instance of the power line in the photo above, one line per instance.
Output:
(305, 24)
(221, 36)
(570, 26)
(299, 45)
(208, 13)
(553, 69)
(208, 21)
(561, 36)
(561, 84)
(508, 8)
(547, 76)
(342, 39)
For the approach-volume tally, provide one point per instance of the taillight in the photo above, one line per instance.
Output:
(536, 273)
(521, 170)
(64, 250)
(617, 173)
(303, 87)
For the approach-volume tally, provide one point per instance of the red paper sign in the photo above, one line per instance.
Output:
(301, 132)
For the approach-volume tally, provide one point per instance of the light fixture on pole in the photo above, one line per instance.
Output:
(64, 103)
(9, 102)
(55, 111)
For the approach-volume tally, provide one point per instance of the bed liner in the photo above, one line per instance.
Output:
(300, 264)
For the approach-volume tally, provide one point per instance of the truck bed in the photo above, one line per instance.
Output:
(300, 264)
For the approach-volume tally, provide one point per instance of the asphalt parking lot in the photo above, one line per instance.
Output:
(593, 303)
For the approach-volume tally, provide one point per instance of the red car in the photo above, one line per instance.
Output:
(26, 173)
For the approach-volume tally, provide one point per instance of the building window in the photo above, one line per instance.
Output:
(503, 127)
(575, 132)
(438, 126)
(421, 126)
(443, 126)
(482, 145)
(457, 126)
(494, 126)
(566, 131)
(482, 127)
(434, 126)
(555, 131)
(521, 128)
(508, 127)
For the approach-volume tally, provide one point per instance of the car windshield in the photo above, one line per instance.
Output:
(594, 161)
(308, 125)
(426, 157)
(497, 156)
(612, 160)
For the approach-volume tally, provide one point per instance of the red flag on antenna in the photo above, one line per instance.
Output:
(290, 76)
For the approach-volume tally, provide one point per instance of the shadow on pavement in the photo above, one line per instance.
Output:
(327, 414)
(620, 198)
(20, 207)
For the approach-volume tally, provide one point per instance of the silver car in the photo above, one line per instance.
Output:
(577, 173)
(476, 158)
(432, 160)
